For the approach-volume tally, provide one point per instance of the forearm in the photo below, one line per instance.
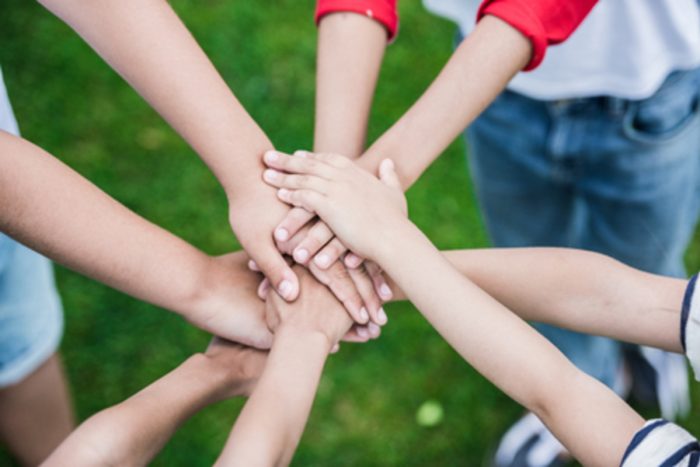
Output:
(476, 73)
(350, 52)
(512, 355)
(145, 42)
(55, 211)
(579, 290)
(134, 431)
(272, 421)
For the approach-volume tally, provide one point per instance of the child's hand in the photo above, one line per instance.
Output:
(315, 311)
(240, 366)
(228, 305)
(345, 196)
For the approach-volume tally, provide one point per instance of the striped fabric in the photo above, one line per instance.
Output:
(690, 325)
(662, 444)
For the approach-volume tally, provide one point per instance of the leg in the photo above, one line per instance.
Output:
(35, 412)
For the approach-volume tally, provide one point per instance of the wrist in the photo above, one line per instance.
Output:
(395, 240)
(312, 336)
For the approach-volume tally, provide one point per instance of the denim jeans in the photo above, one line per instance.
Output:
(604, 174)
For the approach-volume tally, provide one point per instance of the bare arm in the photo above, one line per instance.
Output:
(579, 290)
(350, 52)
(476, 73)
(134, 431)
(147, 44)
(511, 354)
(52, 209)
(499, 344)
(272, 421)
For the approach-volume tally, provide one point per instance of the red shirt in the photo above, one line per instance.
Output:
(542, 22)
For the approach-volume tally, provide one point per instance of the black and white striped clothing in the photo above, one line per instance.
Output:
(662, 444)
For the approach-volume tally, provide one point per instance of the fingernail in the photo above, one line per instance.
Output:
(352, 260)
(252, 265)
(283, 193)
(271, 156)
(285, 288)
(300, 153)
(323, 260)
(373, 329)
(385, 291)
(362, 332)
(270, 175)
(364, 316)
(301, 255)
(282, 234)
(383, 318)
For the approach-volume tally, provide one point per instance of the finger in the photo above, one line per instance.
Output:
(380, 283)
(335, 348)
(294, 221)
(357, 334)
(330, 253)
(297, 165)
(263, 288)
(275, 268)
(365, 287)
(338, 281)
(319, 235)
(295, 182)
(253, 266)
(307, 199)
(388, 175)
(352, 261)
(374, 330)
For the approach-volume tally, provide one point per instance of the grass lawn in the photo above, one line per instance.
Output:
(70, 103)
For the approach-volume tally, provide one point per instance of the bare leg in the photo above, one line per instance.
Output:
(36, 415)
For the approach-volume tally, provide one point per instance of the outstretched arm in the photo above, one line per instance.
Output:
(134, 431)
(272, 421)
(147, 44)
(54, 210)
(499, 344)
(579, 290)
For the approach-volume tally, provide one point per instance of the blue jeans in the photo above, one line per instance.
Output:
(604, 174)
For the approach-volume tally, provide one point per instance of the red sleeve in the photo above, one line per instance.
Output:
(383, 11)
(543, 22)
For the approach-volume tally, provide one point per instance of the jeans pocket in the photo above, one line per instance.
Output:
(665, 116)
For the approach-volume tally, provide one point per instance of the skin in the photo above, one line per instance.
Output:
(36, 414)
(568, 401)
(140, 39)
(111, 244)
(269, 428)
(133, 432)
(475, 74)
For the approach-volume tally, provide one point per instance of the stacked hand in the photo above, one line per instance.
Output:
(304, 239)
(345, 196)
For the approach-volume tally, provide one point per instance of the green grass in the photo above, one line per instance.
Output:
(70, 103)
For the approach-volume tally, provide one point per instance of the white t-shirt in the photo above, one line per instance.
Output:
(7, 118)
(624, 48)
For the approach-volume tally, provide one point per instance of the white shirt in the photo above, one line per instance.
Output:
(624, 48)
(7, 118)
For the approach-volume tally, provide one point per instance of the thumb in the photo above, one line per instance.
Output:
(388, 175)
(280, 275)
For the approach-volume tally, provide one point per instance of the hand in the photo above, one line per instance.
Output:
(346, 197)
(229, 306)
(241, 366)
(315, 311)
(354, 287)
(315, 234)
(253, 218)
